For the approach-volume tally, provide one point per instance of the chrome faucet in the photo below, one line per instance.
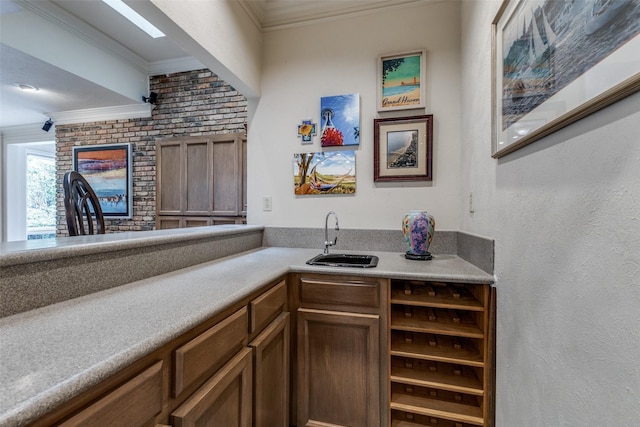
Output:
(327, 242)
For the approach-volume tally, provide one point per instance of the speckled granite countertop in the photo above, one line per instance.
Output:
(51, 354)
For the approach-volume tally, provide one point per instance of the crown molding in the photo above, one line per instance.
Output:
(26, 133)
(90, 115)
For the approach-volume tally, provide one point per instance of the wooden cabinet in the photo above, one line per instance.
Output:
(135, 403)
(339, 345)
(231, 370)
(224, 400)
(200, 179)
(252, 388)
(271, 374)
(271, 350)
(441, 364)
(202, 356)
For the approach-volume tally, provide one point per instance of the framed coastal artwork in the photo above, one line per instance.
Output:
(555, 62)
(403, 148)
(340, 120)
(108, 169)
(401, 81)
(322, 173)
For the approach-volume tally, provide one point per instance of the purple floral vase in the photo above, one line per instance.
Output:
(418, 227)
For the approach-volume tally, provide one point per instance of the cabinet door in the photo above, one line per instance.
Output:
(198, 189)
(224, 400)
(135, 403)
(271, 374)
(227, 181)
(338, 380)
(169, 179)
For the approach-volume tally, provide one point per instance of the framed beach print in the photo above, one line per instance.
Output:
(401, 81)
(108, 169)
(555, 62)
(402, 149)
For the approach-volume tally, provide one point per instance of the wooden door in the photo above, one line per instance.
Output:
(224, 400)
(271, 374)
(338, 381)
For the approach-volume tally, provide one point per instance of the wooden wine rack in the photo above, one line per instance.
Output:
(441, 370)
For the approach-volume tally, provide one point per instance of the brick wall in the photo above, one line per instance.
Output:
(189, 103)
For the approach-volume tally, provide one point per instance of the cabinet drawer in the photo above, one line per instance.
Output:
(224, 400)
(317, 292)
(207, 352)
(134, 403)
(267, 307)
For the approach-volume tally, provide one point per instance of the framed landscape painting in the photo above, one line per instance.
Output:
(555, 62)
(402, 149)
(401, 81)
(329, 172)
(108, 169)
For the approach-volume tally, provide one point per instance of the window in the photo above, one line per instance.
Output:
(41, 197)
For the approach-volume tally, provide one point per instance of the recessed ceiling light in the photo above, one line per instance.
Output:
(133, 16)
(26, 87)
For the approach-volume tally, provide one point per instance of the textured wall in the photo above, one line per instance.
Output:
(565, 215)
(303, 64)
(189, 103)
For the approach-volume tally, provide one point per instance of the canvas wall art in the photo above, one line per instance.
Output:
(108, 169)
(332, 172)
(340, 120)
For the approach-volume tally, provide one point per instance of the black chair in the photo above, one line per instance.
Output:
(81, 206)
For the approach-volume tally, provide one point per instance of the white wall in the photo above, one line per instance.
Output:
(301, 65)
(565, 213)
(218, 33)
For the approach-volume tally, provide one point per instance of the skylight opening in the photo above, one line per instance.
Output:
(135, 18)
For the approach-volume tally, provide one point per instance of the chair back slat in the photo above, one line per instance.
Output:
(81, 206)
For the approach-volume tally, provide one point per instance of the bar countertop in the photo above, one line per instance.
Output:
(51, 354)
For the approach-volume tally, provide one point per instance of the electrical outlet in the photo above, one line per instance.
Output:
(266, 203)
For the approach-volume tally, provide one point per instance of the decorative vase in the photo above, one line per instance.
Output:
(418, 227)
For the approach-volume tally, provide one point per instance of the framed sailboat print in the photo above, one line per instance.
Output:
(555, 62)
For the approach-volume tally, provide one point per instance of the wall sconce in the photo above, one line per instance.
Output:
(152, 99)
(47, 125)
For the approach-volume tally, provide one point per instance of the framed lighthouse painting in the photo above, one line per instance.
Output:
(401, 81)
(556, 62)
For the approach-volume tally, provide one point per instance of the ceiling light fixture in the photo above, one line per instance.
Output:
(133, 16)
(26, 87)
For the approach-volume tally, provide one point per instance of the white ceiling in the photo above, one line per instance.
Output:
(65, 91)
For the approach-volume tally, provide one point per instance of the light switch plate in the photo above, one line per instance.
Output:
(266, 203)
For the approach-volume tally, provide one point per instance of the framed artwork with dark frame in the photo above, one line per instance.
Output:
(402, 148)
(108, 169)
(556, 62)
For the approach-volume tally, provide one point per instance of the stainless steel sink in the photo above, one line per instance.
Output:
(345, 260)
